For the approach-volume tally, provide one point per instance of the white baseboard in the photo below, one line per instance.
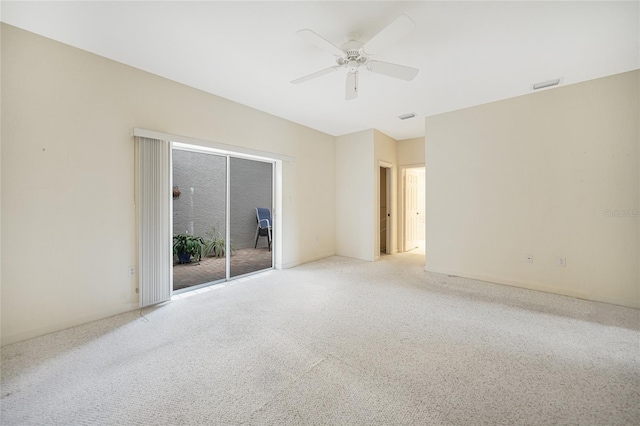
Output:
(543, 288)
(62, 325)
(295, 263)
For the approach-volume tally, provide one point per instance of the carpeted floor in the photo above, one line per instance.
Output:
(337, 341)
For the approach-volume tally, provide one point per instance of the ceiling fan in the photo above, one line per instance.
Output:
(354, 55)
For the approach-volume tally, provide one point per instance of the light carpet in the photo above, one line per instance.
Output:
(337, 341)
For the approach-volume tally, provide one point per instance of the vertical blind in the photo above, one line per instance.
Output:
(154, 232)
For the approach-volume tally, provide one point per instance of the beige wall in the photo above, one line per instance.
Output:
(68, 218)
(411, 152)
(536, 175)
(358, 158)
(355, 195)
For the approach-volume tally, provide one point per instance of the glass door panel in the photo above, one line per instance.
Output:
(250, 187)
(199, 218)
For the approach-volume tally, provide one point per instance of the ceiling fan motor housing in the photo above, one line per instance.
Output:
(352, 62)
(353, 54)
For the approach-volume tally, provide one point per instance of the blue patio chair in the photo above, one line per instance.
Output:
(263, 229)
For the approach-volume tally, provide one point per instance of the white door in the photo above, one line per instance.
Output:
(411, 209)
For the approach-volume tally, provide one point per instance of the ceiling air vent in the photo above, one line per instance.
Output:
(547, 83)
(407, 116)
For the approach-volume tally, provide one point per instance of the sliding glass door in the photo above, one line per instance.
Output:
(211, 192)
(199, 218)
(251, 193)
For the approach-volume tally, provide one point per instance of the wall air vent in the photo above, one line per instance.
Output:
(547, 83)
(406, 116)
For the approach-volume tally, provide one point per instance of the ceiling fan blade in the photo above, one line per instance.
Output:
(393, 32)
(320, 42)
(315, 75)
(351, 91)
(393, 70)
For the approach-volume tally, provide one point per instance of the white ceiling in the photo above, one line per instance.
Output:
(468, 53)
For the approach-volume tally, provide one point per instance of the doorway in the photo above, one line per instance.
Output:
(385, 210)
(413, 206)
(215, 197)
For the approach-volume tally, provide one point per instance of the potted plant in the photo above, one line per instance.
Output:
(215, 245)
(186, 245)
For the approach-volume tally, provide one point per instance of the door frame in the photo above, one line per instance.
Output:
(402, 174)
(390, 235)
(168, 140)
(276, 180)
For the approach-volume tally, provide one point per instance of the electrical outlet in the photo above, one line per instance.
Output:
(528, 258)
(562, 261)
(132, 271)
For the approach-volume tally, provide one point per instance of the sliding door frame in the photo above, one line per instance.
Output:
(228, 155)
(209, 146)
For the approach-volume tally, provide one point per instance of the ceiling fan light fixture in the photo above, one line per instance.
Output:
(354, 54)
(547, 83)
(407, 116)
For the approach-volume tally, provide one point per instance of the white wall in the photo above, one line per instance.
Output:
(536, 175)
(411, 152)
(355, 199)
(68, 218)
(386, 150)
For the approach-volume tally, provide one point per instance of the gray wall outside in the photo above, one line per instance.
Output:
(201, 205)
(251, 186)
